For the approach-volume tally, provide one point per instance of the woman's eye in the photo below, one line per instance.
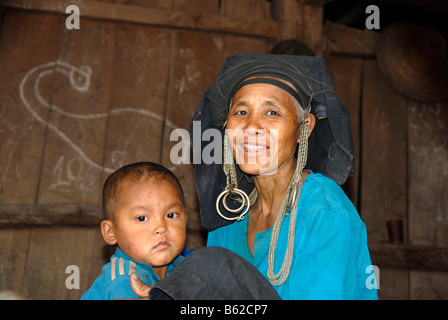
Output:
(172, 215)
(272, 113)
(241, 113)
(142, 218)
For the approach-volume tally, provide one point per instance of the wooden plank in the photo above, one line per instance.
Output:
(428, 285)
(157, 17)
(312, 34)
(299, 21)
(26, 42)
(346, 74)
(74, 153)
(195, 63)
(13, 255)
(18, 215)
(160, 4)
(315, 3)
(343, 40)
(428, 173)
(394, 284)
(141, 70)
(384, 155)
(197, 6)
(290, 24)
(50, 252)
(244, 45)
(406, 256)
(256, 9)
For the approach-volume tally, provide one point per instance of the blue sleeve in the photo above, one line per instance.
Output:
(92, 294)
(96, 290)
(332, 259)
(319, 268)
(367, 283)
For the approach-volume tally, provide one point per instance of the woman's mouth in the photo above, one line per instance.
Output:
(254, 148)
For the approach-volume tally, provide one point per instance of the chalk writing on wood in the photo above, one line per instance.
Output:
(79, 78)
(190, 75)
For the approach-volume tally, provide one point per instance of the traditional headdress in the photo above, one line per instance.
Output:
(329, 150)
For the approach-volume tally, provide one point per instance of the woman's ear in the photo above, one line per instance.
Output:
(108, 232)
(311, 119)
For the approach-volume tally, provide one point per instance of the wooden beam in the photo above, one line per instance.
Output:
(18, 215)
(299, 21)
(315, 3)
(343, 40)
(436, 6)
(404, 256)
(157, 17)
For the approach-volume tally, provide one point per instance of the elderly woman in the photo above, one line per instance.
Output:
(275, 199)
(298, 228)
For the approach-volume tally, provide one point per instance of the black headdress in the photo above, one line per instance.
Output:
(330, 146)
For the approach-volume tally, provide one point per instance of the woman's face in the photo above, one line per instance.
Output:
(263, 128)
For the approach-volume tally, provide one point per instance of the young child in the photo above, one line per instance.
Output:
(145, 210)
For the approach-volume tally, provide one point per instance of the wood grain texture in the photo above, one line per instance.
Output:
(384, 157)
(158, 17)
(26, 41)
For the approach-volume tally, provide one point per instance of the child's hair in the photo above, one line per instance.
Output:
(133, 173)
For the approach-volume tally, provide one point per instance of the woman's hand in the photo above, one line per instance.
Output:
(139, 288)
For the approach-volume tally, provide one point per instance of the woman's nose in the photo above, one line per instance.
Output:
(254, 125)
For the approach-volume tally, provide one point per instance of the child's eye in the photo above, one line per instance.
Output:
(172, 215)
(142, 218)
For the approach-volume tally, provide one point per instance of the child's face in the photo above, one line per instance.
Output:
(150, 222)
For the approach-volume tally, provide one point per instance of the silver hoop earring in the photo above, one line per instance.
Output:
(232, 187)
(245, 203)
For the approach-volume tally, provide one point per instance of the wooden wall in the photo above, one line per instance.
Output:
(77, 104)
(401, 154)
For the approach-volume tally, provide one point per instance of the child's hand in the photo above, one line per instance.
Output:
(140, 289)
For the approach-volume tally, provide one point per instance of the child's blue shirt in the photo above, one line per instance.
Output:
(114, 283)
